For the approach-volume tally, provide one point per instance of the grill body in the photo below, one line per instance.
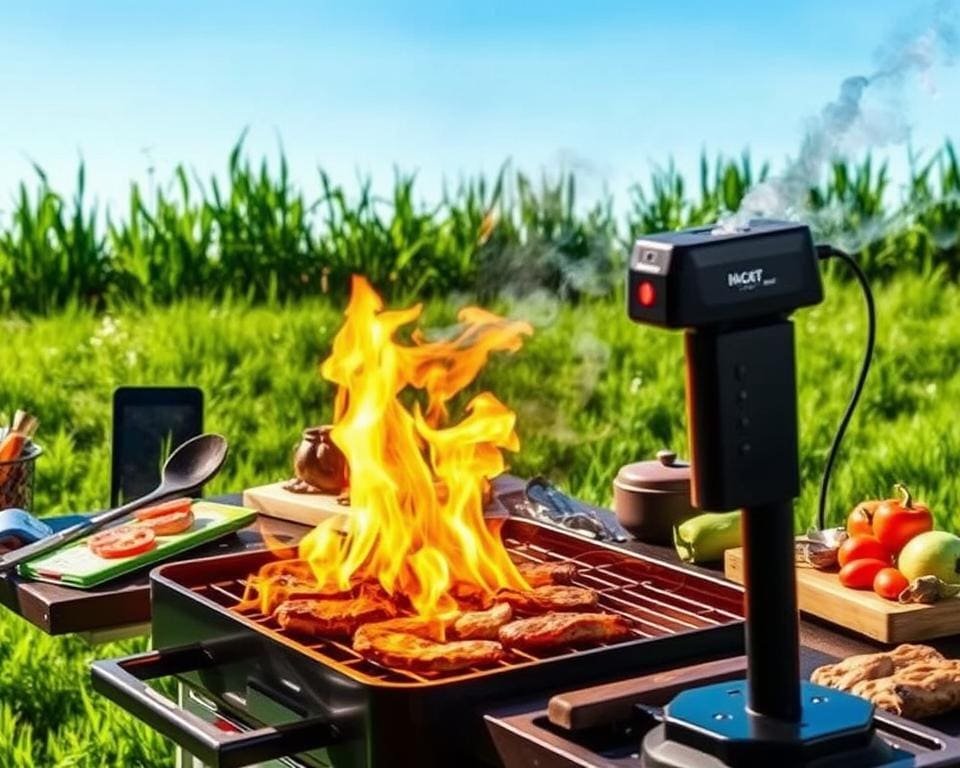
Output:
(384, 717)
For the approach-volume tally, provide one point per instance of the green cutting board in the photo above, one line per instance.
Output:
(75, 565)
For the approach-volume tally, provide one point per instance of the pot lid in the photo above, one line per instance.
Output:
(665, 473)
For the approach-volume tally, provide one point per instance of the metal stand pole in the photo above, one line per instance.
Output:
(770, 604)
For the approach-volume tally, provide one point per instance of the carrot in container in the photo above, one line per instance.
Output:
(20, 431)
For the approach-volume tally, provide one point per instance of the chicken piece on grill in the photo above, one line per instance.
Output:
(334, 617)
(545, 574)
(285, 587)
(556, 630)
(415, 644)
(549, 598)
(482, 625)
(470, 597)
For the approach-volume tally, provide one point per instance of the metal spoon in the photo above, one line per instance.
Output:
(190, 466)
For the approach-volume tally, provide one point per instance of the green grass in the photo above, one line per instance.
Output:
(592, 391)
(253, 233)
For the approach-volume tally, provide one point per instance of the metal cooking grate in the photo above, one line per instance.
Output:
(657, 600)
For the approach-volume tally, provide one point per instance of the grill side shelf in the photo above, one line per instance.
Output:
(123, 681)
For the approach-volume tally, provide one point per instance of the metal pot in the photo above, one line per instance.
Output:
(651, 497)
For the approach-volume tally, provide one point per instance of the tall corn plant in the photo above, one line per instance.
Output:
(52, 253)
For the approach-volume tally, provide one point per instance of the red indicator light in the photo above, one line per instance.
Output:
(646, 294)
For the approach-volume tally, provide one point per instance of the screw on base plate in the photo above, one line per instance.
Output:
(710, 727)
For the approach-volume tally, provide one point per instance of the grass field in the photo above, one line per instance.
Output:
(592, 391)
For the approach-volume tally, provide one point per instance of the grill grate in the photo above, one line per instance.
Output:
(657, 600)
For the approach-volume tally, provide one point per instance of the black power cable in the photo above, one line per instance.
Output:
(827, 252)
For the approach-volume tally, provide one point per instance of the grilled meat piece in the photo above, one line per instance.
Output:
(549, 598)
(333, 617)
(284, 588)
(470, 597)
(556, 630)
(406, 625)
(482, 625)
(545, 574)
(414, 644)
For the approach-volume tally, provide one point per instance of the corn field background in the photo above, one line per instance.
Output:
(254, 235)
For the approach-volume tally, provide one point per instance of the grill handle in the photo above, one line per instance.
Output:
(123, 682)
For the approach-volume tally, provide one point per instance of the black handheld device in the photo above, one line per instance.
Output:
(733, 291)
(148, 423)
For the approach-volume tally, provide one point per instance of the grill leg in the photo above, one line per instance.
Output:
(770, 603)
(183, 758)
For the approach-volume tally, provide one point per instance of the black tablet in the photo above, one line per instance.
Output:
(148, 423)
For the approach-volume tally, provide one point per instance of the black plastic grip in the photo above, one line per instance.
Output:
(122, 681)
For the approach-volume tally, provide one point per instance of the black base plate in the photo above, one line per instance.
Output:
(710, 727)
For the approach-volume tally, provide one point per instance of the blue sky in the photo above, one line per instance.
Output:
(606, 87)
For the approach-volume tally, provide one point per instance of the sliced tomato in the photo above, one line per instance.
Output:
(168, 507)
(123, 541)
(169, 524)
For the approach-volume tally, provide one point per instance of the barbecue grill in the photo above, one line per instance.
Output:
(324, 702)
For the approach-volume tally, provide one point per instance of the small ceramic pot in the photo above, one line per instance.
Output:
(319, 462)
(651, 497)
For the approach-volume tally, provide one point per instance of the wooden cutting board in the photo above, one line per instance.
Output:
(304, 508)
(309, 509)
(821, 594)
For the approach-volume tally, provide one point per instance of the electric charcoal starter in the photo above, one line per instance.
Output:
(733, 292)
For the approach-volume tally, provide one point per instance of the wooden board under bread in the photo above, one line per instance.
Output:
(821, 594)
(304, 508)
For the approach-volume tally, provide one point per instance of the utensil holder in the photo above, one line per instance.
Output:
(16, 479)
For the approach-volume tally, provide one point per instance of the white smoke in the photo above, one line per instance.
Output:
(846, 125)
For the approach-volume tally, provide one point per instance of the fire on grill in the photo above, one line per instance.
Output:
(414, 575)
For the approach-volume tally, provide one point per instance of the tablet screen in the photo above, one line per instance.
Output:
(148, 425)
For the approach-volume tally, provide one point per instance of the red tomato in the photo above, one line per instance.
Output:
(124, 541)
(897, 521)
(860, 519)
(862, 547)
(889, 583)
(859, 574)
(167, 525)
(168, 507)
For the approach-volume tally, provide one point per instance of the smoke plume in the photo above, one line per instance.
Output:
(846, 124)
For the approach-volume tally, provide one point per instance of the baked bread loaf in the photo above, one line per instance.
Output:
(844, 675)
(919, 690)
(912, 681)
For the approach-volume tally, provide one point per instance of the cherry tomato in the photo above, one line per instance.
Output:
(860, 519)
(897, 521)
(167, 525)
(861, 547)
(889, 583)
(859, 574)
(168, 507)
(124, 541)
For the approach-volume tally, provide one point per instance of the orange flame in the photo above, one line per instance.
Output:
(417, 481)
